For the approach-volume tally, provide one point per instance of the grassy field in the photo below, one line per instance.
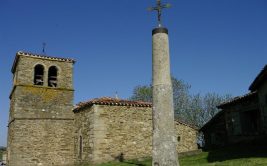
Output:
(238, 155)
(199, 160)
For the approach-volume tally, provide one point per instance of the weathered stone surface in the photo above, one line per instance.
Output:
(40, 142)
(41, 121)
(164, 140)
(24, 73)
(115, 132)
(186, 136)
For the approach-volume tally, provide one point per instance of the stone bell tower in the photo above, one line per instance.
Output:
(40, 129)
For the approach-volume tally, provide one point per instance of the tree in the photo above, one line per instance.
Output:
(192, 108)
(142, 93)
(203, 108)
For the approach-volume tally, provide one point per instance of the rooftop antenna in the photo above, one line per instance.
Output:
(159, 9)
(43, 51)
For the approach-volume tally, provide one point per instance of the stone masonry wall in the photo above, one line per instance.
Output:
(84, 123)
(41, 102)
(41, 123)
(186, 137)
(41, 143)
(115, 132)
(24, 74)
(121, 131)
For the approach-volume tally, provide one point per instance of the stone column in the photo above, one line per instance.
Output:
(164, 140)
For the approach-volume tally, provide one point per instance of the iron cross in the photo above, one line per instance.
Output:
(159, 8)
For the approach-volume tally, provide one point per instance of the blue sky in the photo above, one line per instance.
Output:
(216, 45)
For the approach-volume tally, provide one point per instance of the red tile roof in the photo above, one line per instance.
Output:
(120, 102)
(21, 53)
(111, 102)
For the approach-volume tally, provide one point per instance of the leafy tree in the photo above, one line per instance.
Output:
(142, 93)
(195, 109)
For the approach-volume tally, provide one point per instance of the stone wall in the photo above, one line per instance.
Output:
(40, 143)
(41, 123)
(4, 157)
(24, 73)
(122, 132)
(84, 127)
(116, 132)
(186, 137)
(30, 101)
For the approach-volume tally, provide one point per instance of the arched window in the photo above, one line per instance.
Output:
(52, 76)
(38, 75)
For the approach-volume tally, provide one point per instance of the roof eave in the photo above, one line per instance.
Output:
(258, 80)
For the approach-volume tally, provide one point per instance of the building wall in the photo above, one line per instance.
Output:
(117, 132)
(216, 134)
(40, 130)
(4, 157)
(186, 137)
(232, 126)
(84, 128)
(262, 92)
(41, 142)
(24, 73)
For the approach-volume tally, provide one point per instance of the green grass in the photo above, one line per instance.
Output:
(199, 160)
(203, 159)
(246, 154)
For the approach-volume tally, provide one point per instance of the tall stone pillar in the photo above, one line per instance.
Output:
(164, 141)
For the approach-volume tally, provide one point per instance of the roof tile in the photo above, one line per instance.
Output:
(21, 53)
(111, 101)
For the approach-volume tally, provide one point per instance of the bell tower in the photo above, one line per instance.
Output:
(40, 129)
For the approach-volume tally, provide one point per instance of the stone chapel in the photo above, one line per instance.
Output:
(46, 129)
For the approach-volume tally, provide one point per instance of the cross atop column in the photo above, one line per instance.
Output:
(159, 9)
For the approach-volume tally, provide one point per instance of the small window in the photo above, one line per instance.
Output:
(81, 147)
(266, 99)
(178, 138)
(38, 75)
(52, 76)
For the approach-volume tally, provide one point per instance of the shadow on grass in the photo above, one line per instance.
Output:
(121, 159)
(238, 151)
(133, 163)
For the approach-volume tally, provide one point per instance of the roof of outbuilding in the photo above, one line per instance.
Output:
(238, 99)
(212, 120)
(21, 53)
(262, 76)
(112, 102)
(185, 123)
